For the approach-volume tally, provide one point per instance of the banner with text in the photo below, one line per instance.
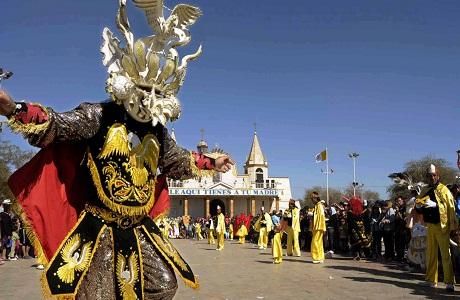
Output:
(222, 192)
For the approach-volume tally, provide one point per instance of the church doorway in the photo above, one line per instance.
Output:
(213, 206)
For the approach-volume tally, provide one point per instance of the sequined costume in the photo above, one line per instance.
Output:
(360, 242)
(90, 195)
(114, 244)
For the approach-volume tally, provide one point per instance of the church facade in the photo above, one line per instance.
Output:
(234, 193)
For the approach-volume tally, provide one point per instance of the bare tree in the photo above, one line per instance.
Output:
(365, 194)
(417, 170)
(335, 195)
(11, 158)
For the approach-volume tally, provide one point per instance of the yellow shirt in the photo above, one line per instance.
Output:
(448, 219)
(319, 219)
(220, 228)
(295, 219)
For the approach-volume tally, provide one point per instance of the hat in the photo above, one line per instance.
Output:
(6, 201)
(262, 208)
(218, 207)
(432, 169)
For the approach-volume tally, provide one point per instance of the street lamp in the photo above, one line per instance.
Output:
(354, 156)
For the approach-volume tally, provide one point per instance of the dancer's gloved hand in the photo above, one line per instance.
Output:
(223, 163)
(430, 203)
(7, 104)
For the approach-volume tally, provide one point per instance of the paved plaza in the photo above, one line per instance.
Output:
(244, 272)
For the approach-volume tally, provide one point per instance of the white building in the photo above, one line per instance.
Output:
(236, 194)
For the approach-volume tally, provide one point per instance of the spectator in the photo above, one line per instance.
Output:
(401, 234)
(388, 230)
(376, 231)
(6, 228)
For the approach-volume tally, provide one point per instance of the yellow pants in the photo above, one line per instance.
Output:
(317, 250)
(277, 249)
(220, 240)
(293, 247)
(263, 237)
(242, 239)
(231, 236)
(211, 239)
(199, 236)
(436, 238)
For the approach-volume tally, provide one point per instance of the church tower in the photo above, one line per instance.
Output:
(256, 165)
(202, 146)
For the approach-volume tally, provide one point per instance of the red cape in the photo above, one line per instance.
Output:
(51, 195)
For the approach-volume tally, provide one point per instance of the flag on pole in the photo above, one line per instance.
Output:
(322, 156)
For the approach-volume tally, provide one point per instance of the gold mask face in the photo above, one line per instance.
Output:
(146, 75)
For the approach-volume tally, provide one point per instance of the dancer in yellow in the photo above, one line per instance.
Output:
(319, 227)
(198, 231)
(277, 248)
(437, 207)
(230, 230)
(264, 225)
(242, 233)
(220, 229)
(210, 224)
(292, 216)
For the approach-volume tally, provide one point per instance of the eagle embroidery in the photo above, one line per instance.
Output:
(127, 275)
(76, 259)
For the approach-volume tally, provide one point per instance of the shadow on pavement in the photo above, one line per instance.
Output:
(264, 262)
(390, 274)
(297, 260)
(341, 258)
(429, 293)
(417, 289)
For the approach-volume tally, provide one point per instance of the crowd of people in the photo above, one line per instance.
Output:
(395, 230)
(15, 243)
(399, 230)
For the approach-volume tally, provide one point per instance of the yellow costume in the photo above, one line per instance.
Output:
(438, 234)
(220, 230)
(211, 239)
(293, 230)
(230, 231)
(319, 227)
(263, 225)
(277, 248)
(198, 231)
(242, 233)
(164, 227)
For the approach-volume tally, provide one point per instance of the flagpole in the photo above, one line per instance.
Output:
(327, 178)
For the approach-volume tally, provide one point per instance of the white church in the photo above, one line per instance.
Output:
(235, 193)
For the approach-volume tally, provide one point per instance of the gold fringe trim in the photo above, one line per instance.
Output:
(121, 209)
(187, 282)
(44, 283)
(197, 172)
(29, 128)
(31, 234)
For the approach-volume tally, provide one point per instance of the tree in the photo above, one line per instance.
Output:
(370, 195)
(11, 158)
(417, 170)
(364, 194)
(335, 195)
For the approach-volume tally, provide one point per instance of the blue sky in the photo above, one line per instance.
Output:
(377, 77)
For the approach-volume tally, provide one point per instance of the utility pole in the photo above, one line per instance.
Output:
(354, 157)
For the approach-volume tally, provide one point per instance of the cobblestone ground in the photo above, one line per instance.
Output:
(244, 272)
